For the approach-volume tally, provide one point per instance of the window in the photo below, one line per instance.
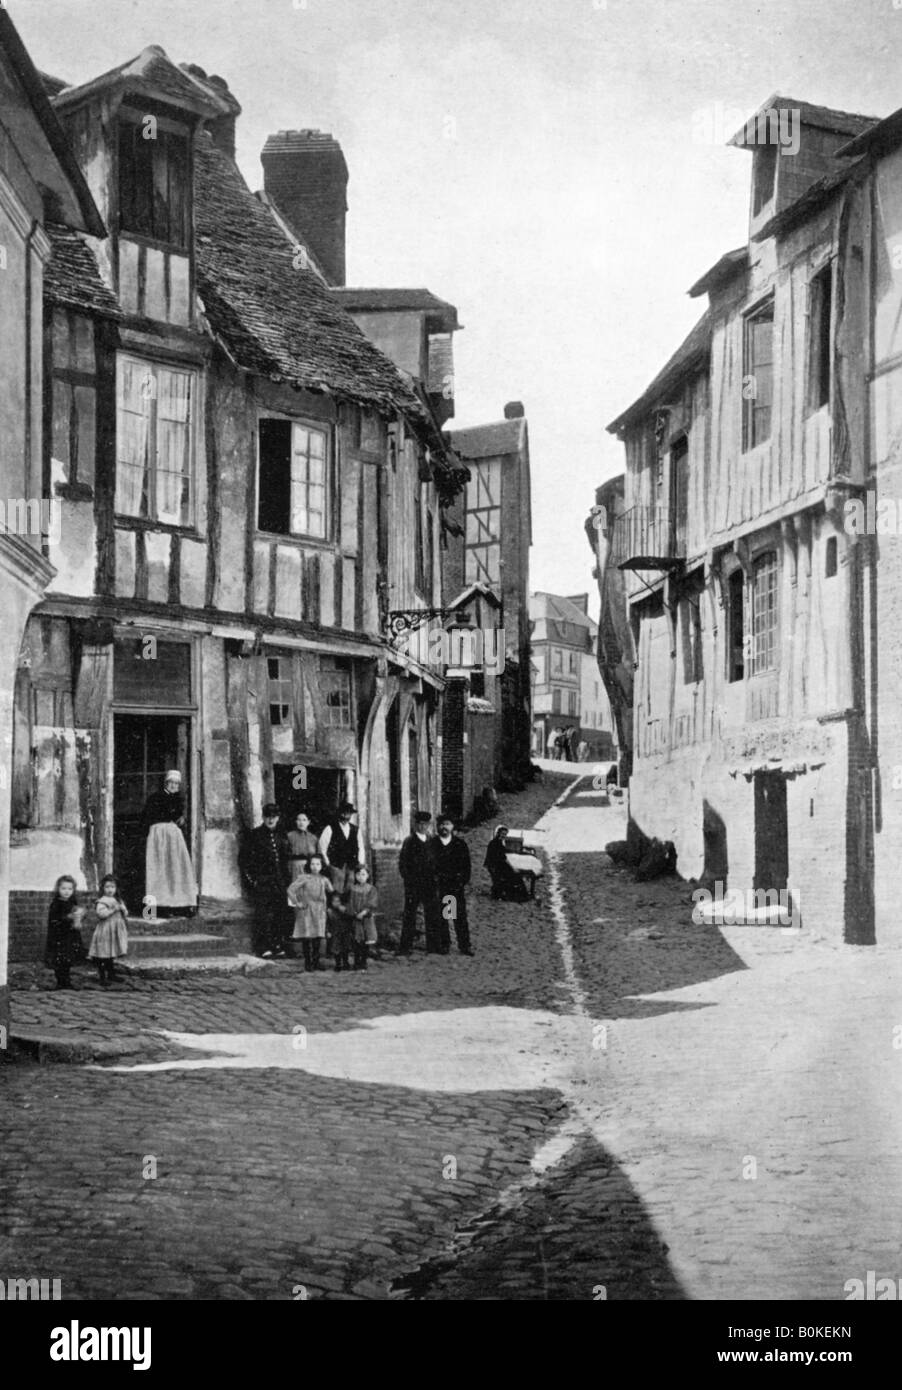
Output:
(819, 309)
(757, 375)
(278, 670)
(763, 644)
(483, 528)
(736, 601)
(764, 177)
(557, 661)
(572, 663)
(555, 702)
(393, 739)
(335, 684)
(571, 702)
(153, 179)
(691, 616)
(477, 684)
(293, 495)
(830, 562)
(419, 547)
(154, 441)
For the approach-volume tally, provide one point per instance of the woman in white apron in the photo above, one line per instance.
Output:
(169, 881)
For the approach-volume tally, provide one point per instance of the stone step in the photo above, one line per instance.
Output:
(196, 943)
(171, 926)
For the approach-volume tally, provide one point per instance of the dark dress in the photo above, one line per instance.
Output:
(65, 946)
(506, 882)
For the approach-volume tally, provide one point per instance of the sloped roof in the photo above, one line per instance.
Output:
(71, 277)
(380, 300)
(690, 356)
(824, 117)
(40, 139)
(277, 320)
(152, 72)
(811, 201)
(730, 264)
(560, 613)
(489, 441)
(877, 139)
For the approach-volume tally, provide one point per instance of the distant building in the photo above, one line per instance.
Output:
(567, 689)
(489, 532)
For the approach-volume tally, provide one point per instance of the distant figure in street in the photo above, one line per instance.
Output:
(550, 742)
(309, 895)
(558, 744)
(452, 873)
(264, 864)
(568, 743)
(506, 882)
(582, 751)
(110, 939)
(341, 848)
(169, 881)
(64, 947)
(417, 868)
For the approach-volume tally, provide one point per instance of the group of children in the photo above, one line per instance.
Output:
(65, 944)
(342, 910)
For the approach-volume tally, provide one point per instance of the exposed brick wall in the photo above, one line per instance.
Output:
(453, 724)
(308, 180)
(27, 924)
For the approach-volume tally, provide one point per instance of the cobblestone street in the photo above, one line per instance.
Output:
(607, 1101)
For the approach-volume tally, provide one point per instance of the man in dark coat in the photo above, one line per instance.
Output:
(265, 867)
(451, 858)
(417, 868)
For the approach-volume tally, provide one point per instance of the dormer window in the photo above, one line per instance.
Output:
(153, 178)
(765, 175)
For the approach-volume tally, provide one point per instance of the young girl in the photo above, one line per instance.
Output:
(110, 937)
(362, 904)
(307, 895)
(64, 946)
(301, 844)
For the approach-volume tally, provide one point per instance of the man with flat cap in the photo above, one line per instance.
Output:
(451, 859)
(417, 868)
(265, 867)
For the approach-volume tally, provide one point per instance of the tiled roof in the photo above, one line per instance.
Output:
(557, 608)
(375, 300)
(278, 320)
(489, 441)
(71, 277)
(690, 356)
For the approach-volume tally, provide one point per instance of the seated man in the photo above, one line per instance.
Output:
(513, 874)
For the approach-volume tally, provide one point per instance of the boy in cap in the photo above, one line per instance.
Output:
(417, 868)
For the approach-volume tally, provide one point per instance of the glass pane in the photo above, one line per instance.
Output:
(317, 444)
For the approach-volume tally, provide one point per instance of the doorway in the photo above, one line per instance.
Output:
(771, 831)
(320, 798)
(145, 747)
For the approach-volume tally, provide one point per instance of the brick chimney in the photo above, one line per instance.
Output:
(514, 410)
(305, 174)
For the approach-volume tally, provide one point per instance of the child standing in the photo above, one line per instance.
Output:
(307, 895)
(362, 905)
(110, 939)
(64, 947)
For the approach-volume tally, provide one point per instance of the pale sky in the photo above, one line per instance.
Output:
(539, 163)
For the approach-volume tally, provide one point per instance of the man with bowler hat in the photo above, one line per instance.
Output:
(451, 859)
(417, 868)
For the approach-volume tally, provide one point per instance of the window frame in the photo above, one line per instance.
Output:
(320, 427)
(752, 438)
(152, 367)
(277, 683)
(764, 614)
(132, 118)
(339, 677)
(819, 365)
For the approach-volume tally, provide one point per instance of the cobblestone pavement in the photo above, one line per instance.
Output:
(606, 1101)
